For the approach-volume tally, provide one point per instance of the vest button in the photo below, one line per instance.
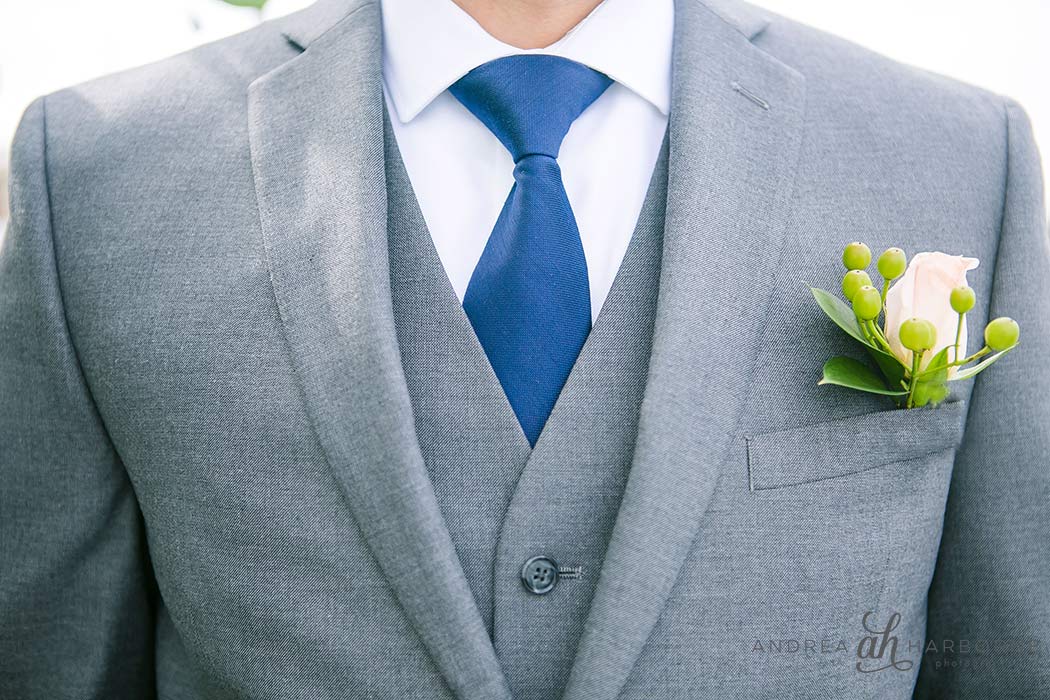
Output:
(539, 575)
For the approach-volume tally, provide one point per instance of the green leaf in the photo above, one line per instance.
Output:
(932, 385)
(853, 374)
(841, 313)
(891, 367)
(258, 4)
(938, 367)
(979, 367)
(929, 392)
(892, 370)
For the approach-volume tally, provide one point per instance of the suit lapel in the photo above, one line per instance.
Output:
(316, 130)
(735, 131)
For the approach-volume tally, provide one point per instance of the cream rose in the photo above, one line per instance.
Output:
(924, 292)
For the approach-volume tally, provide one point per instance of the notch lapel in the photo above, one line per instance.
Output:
(735, 134)
(316, 133)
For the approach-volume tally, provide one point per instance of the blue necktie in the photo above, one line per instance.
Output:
(529, 298)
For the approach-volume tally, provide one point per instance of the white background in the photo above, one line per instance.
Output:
(49, 44)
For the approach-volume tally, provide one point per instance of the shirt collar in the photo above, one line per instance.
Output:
(430, 44)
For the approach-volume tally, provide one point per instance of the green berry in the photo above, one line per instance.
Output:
(963, 299)
(892, 263)
(854, 280)
(856, 256)
(867, 303)
(1002, 334)
(918, 334)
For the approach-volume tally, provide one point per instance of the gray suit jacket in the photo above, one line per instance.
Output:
(211, 485)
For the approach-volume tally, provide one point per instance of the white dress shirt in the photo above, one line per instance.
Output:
(462, 174)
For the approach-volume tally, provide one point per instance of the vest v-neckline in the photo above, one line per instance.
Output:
(446, 301)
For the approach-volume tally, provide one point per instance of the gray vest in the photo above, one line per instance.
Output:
(504, 503)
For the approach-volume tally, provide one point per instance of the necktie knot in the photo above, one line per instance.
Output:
(530, 101)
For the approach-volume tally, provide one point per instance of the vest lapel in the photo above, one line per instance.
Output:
(735, 131)
(472, 444)
(316, 130)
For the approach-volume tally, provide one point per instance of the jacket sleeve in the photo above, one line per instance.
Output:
(75, 584)
(990, 596)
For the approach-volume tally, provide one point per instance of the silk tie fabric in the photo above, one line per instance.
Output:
(528, 299)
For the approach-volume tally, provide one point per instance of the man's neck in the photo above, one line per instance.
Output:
(528, 24)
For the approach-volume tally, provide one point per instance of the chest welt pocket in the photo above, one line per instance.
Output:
(839, 448)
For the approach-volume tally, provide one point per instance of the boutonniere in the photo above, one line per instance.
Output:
(915, 330)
